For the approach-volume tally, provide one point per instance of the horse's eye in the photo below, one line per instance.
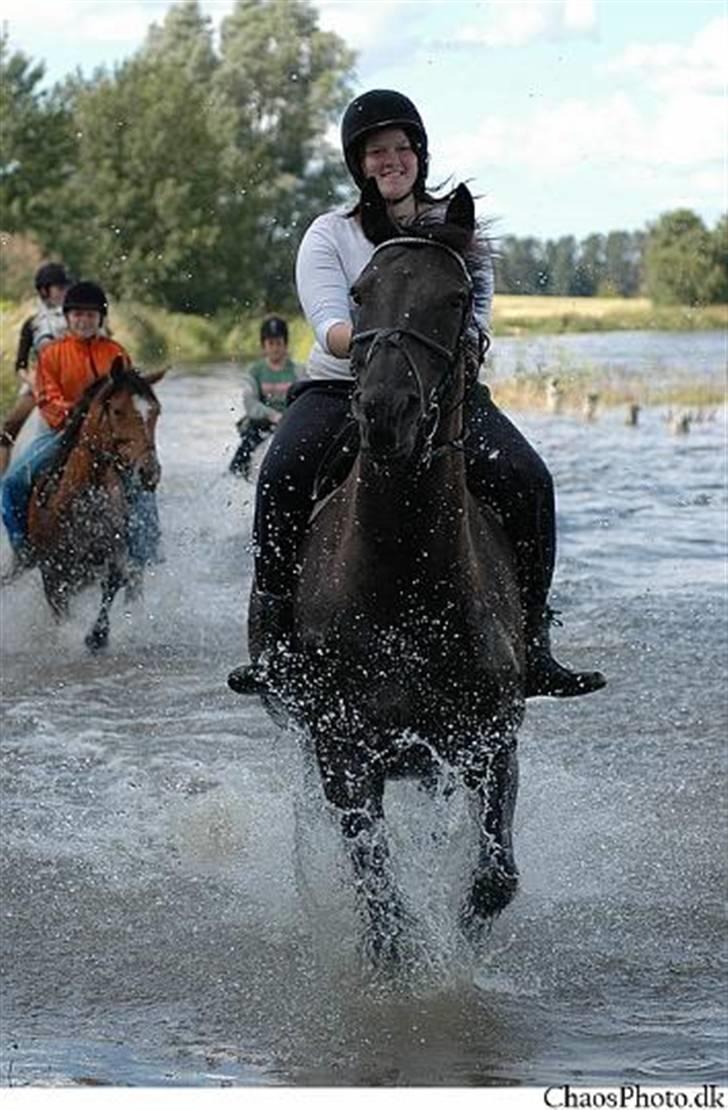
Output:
(355, 295)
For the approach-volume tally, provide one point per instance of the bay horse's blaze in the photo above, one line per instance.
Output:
(407, 617)
(79, 510)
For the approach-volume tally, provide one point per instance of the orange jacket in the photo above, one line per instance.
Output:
(66, 368)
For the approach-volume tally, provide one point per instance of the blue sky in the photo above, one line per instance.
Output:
(567, 116)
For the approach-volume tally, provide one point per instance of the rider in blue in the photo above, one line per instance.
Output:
(383, 137)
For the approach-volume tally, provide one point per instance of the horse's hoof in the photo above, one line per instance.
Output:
(489, 896)
(96, 641)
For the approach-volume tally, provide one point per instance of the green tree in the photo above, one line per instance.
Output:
(284, 82)
(520, 266)
(146, 191)
(590, 267)
(561, 264)
(184, 39)
(36, 148)
(622, 264)
(680, 260)
(719, 250)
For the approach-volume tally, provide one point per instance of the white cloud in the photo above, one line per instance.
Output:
(82, 20)
(514, 23)
(361, 25)
(688, 133)
(698, 65)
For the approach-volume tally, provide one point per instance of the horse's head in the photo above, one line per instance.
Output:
(414, 303)
(121, 423)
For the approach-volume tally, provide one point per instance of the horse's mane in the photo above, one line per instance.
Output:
(475, 246)
(121, 378)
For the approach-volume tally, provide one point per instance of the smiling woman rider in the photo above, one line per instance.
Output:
(383, 137)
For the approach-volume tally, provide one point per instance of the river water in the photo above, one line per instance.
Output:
(175, 908)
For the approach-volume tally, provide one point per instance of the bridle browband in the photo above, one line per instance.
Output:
(431, 404)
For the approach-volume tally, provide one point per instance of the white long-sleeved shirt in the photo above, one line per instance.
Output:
(332, 254)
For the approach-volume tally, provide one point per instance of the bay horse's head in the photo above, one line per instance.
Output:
(413, 302)
(120, 421)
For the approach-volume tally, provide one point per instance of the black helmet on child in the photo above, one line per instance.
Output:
(274, 327)
(374, 110)
(51, 273)
(86, 295)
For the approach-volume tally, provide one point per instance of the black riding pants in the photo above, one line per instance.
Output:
(503, 471)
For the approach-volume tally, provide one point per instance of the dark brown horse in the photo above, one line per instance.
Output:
(79, 509)
(408, 644)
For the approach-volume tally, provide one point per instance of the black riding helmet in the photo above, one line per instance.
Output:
(86, 294)
(376, 109)
(274, 327)
(51, 273)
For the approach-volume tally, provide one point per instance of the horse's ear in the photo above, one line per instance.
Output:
(117, 369)
(154, 376)
(375, 221)
(461, 209)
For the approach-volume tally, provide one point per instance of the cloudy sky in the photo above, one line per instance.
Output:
(568, 116)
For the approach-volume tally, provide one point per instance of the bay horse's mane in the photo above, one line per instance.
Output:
(120, 377)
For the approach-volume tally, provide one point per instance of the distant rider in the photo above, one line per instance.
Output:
(66, 368)
(47, 323)
(265, 385)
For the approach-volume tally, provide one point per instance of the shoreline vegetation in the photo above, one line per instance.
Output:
(157, 338)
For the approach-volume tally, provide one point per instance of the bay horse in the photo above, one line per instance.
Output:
(79, 508)
(407, 650)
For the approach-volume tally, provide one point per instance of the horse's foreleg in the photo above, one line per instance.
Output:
(134, 583)
(98, 637)
(56, 589)
(354, 782)
(495, 878)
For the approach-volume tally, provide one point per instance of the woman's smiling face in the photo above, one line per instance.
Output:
(389, 158)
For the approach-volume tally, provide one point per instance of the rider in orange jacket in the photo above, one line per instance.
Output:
(66, 368)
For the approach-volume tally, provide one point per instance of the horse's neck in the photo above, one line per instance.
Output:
(82, 469)
(407, 513)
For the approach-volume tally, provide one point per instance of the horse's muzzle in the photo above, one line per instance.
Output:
(388, 425)
(149, 472)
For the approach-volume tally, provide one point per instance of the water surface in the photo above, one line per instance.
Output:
(175, 907)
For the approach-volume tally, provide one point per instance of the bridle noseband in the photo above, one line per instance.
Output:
(431, 404)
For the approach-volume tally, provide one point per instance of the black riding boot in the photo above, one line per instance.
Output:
(544, 676)
(269, 628)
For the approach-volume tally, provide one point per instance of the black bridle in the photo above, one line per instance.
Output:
(430, 403)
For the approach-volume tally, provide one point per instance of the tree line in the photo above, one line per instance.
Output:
(185, 176)
(676, 260)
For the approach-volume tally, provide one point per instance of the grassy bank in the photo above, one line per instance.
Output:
(561, 315)
(155, 337)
